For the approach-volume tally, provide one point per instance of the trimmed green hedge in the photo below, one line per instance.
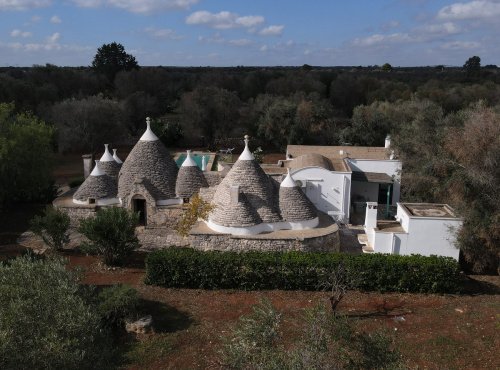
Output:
(190, 268)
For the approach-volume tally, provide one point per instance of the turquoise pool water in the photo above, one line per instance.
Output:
(196, 157)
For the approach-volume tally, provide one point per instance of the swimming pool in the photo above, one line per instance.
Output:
(197, 157)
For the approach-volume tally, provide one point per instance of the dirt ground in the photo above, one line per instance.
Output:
(430, 331)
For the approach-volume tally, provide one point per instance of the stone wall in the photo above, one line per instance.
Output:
(77, 214)
(226, 242)
(165, 217)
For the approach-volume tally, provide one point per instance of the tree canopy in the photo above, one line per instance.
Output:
(26, 157)
(111, 59)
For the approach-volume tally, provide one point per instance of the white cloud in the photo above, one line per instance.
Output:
(55, 19)
(163, 33)
(460, 45)
(447, 28)
(23, 4)
(218, 39)
(52, 39)
(223, 20)
(272, 30)
(478, 9)
(138, 6)
(240, 42)
(378, 39)
(390, 25)
(19, 33)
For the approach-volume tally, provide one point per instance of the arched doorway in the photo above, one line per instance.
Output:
(139, 206)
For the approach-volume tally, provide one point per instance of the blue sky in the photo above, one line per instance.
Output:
(251, 32)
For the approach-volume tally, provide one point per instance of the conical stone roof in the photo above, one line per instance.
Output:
(151, 161)
(236, 214)
(97, 185)
(294, 204)
(253, 183)
(190, 178)
(108, 163)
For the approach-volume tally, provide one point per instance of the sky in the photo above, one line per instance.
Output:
(251, 32)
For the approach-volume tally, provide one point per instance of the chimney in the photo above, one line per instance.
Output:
(87, 164)
(371, 215)
(234, 192)
(387, 142)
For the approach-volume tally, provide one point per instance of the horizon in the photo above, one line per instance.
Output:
(194, 33)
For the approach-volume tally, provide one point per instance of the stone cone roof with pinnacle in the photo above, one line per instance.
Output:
(239, 214)
(294, 204)
(151, 161)
(108, 164)
(97, 185)
(257, 187)
(189, 179)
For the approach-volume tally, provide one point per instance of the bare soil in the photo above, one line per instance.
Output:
(430, 331)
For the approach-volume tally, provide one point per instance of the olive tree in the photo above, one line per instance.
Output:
(111, 233)
(45, 323)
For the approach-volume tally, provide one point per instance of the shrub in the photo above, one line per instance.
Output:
(116, 304)
(52, 227)
(44, 322)
(111, 233)
(327, 341)
(196, 208)
(189, 268)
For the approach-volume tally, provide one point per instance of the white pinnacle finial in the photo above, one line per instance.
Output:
(189, 161)
(116, 158)
(96, 171)
(106, 157)
(148, 134)
(246, 155)
(288, 182)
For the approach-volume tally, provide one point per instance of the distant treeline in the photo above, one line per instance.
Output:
(278, 105)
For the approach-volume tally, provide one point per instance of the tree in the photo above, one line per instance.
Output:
(473, 186)
(52, 227)
(86, 124)
(111, 59)
(387, 67)
(26, 157)
(44, 321)
(211, 112)
(111, 233)
(473, 65)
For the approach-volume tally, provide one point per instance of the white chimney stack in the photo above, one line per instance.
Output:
(387, 142)
(371, 215)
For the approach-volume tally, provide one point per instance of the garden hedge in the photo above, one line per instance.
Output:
(190, 268)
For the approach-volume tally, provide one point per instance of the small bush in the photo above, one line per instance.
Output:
(52, 227)
(196, 208)
(111, 233)
(189, 268)
(117, 303)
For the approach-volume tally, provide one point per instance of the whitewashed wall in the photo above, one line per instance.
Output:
(329, 191)
(390, 167)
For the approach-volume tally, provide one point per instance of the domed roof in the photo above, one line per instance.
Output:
(253, 183)
(151, 161)
(311, 160)
(190, 178)
(97, 185)
(108, 163)
(294, 204)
